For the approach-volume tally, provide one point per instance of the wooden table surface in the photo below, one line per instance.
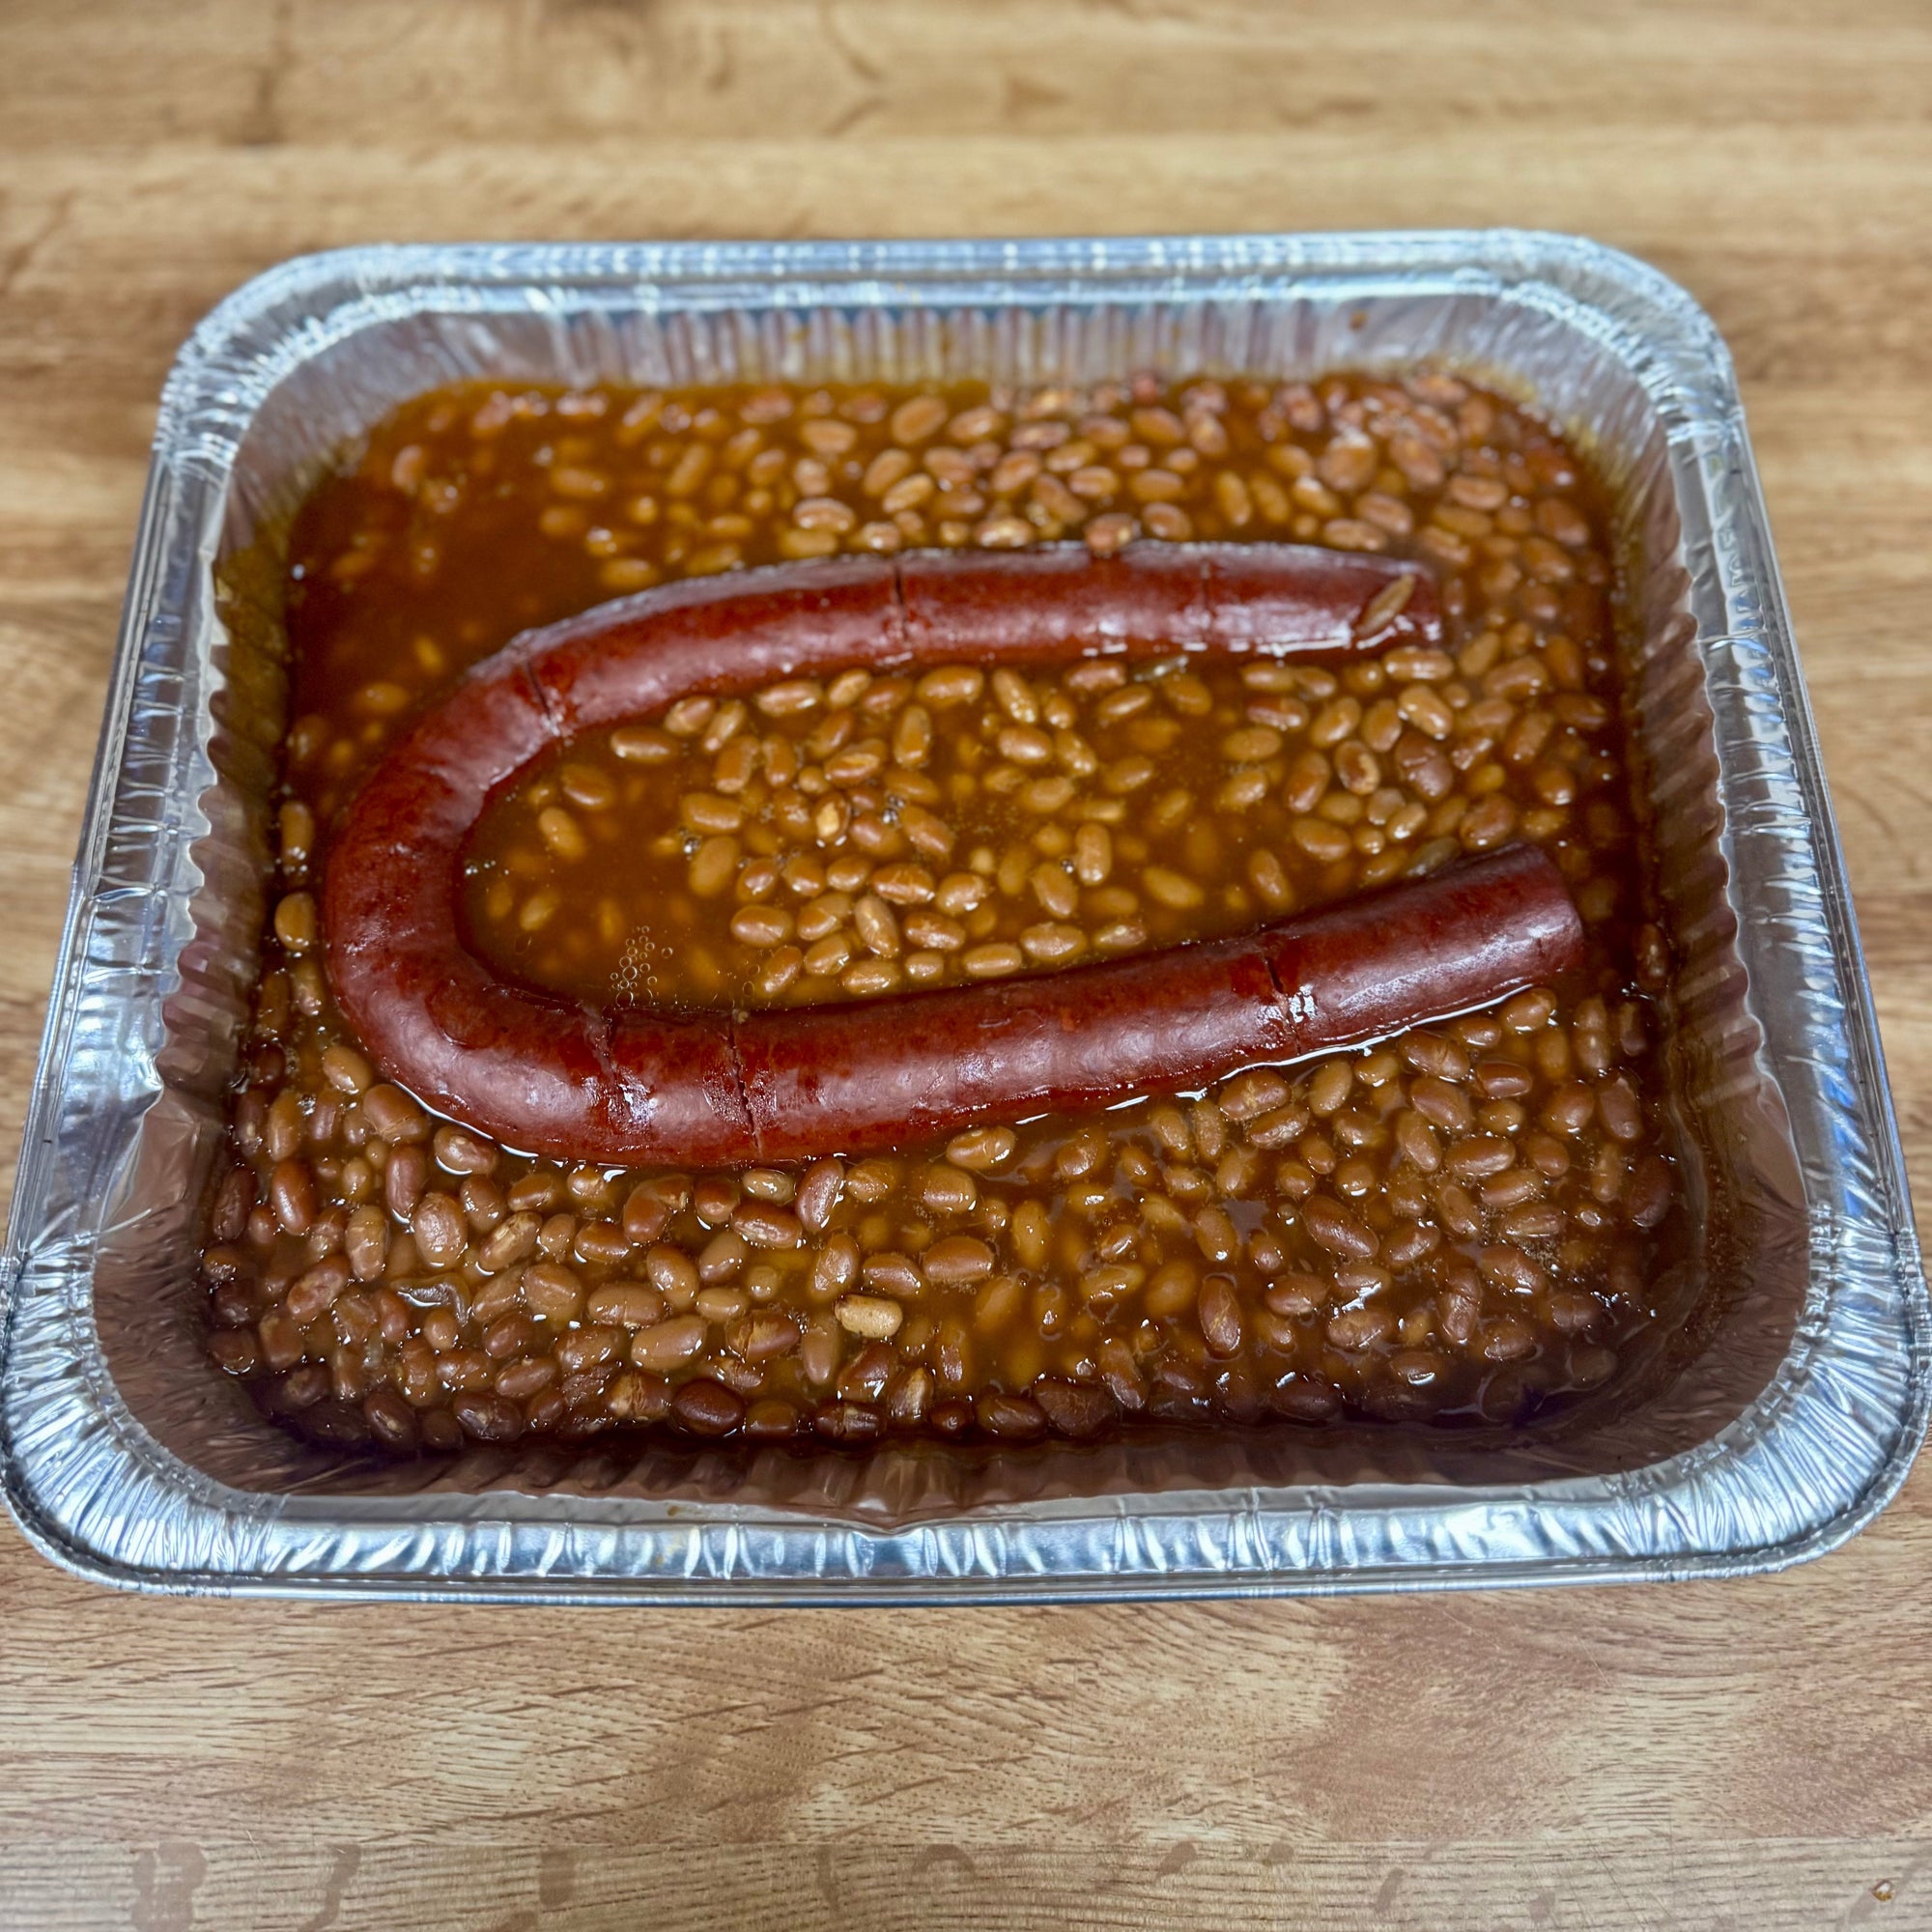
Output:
(1750, 1754)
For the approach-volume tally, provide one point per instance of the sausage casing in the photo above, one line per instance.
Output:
(712, 1089)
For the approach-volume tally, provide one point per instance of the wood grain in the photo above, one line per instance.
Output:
(1751, 1754)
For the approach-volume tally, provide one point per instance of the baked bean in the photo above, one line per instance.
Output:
(458, 1151)
(234, 1200)
(1488, 824)
(624, 1304)
(1331, 1227)
(764, 1338)
(645, 1216)
(1441, 1103)
(345, 1069)
(818, 1194)
(992, 961)
(668, 1344)
(875, 1317)
(835, 1268)
(846, 838)
(1077, 1409)
(1476, 1155)
(1328, 1090)
(1325, 842)
(673, 1273)
(441, 1234)
(760, 926)
(291, 1194)
(712, 866)
(1247, 1095)
(948, 1190)
(296, 925)
(315, 1289)
(489, 1418)
(1618, 1108)
(1528, 1011)
(878, 930)
(722, 1256)
(713, 1200)
(512, 1240)
(1015, 1417)
(1172, 888)
(765, 1225)
(642, 745)
(365, 1241)
(1220, 1314)
(903, 885)
(392, 1115)
(1215, 1234)
(1353, 1330)
(707, 1407)
(1417, 1141)
(1651, 1193)
(957, 1260)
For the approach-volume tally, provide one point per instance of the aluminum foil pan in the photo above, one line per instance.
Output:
(1772, 1422)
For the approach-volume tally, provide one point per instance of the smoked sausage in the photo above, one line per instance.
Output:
(638, 1087)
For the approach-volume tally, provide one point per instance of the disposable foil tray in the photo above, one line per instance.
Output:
(1770, 1424)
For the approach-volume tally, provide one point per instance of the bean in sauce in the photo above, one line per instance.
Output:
(1460, 1223)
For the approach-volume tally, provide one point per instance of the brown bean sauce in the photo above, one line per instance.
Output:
(859, 835)
(1461, 1223)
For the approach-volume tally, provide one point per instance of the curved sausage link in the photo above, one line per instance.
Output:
(721, 634)
(711, 1089)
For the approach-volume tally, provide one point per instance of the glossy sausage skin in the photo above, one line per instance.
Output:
(634, 1087)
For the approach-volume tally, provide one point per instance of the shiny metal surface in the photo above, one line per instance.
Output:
(1773, 1424)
